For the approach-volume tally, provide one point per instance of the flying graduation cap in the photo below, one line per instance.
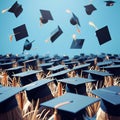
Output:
(102, 34)
(77, 44)
(27, 45)
(16, 8)
(55, 34)
(20, 32)
(74, 20)
(46, 15)
(89, 9)
(109, 2)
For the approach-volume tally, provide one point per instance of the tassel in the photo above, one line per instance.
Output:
(47, 40)
(74, 36)
(11, 36)
(78, 30)
(68, 11)
(93, 25)
(5, 10)
(56, 115)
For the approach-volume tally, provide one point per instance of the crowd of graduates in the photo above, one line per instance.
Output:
(34, 87)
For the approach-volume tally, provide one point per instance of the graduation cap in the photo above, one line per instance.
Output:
(27, 76)
(116, 62)
(80, 68)
(59, 75)
(16, 9)
(76, 84)
(70, 106)
(20, 32)
(27, 45)
(102, 34)
(38, 89)
(105, 63)
(70, 65)
(110, 99)
(14, 70)
(89, 9)
(46, 15)
(77, 44)
(7, 98)
(109, 2)
(31, 63)
(55, 34)
(113, 69)
(6, 65)
(57, 68)
(74, 20)
(97, 75)
(45, 66)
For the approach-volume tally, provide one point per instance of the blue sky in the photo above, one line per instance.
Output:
(103, 16)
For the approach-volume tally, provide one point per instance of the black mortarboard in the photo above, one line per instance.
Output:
(103, 35)
(14, 70)
(6, 65)
(116, 62)
(16, 9)
(76, 84)
(70, 106)
(27, 76)
(20, 32)
(70, 65)
(55, 34)
(80, 68)
(7, 98)
(77, 44)
(47, 59)
(38, 89)
(27, 45)
(113, 69)
(57, 68)
(109, 2)
(59, 75)
(105, 63)
(110, 99)
(21, 61)
(89, 9)
(91, 61)
(46, 15)
(74, 20)
(31, 63)
(45, 66)
(97, 75)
